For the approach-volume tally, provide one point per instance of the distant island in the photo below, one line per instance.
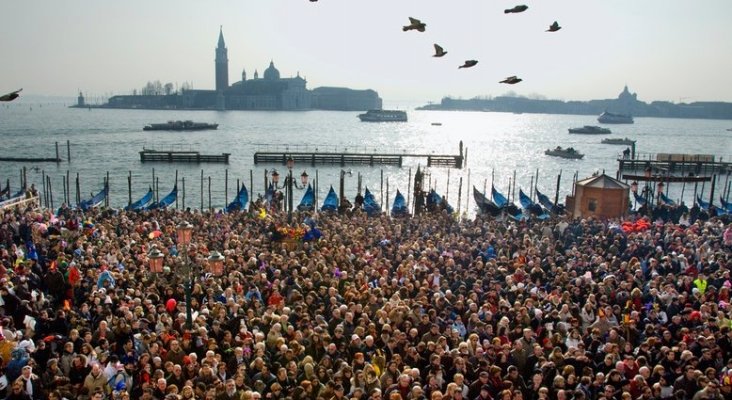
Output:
(626, 103)
(271, 92)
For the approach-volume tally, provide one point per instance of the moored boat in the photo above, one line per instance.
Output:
(187, 125)
(569, 152)
(611, 118)
(624, 141)
(383, 116)
(590, 130)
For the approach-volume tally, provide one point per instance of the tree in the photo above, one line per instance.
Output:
(168, 88)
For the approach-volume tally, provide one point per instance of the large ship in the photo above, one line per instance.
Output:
(610, 118)
(383, 116)
(180, 126)
(590, 130)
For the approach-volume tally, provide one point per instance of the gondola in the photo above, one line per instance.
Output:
(330, 204)
(307, 203)
(484, 204)
(666, 200)
(96, 200)
(142, 203)
(240, 201)
(725, 204)
(502, 202)
(5, 192)
(639, 199)
(165, 201)
(544, 201)
(434, 201)
(370, 206)
(399, 208)
(532, 207)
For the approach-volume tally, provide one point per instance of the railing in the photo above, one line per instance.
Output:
(19, 201)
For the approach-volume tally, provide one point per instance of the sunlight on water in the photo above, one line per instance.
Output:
(497, 144)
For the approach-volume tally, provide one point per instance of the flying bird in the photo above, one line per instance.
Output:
(554, 27)
(468, 64)
(11, 96)
(511, 80)
(415, 24)
(517, 9)
(439, 51)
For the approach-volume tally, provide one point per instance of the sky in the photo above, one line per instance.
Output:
(669, 50)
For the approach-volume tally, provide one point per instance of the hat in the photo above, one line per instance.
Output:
(487, 388)
(354, 337)
(484, 373)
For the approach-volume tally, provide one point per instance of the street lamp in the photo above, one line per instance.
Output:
(184, 232)
(155, 260)
(216, 263)
(289, 183)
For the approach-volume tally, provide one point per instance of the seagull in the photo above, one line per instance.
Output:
(511, 80)
(468, 64)
(554, 27)
(517, 9)
(414, 23)
(439, 51)
(11, 96)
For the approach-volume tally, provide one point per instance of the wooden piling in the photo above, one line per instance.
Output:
(409, 189)
(387, 193)
(78, 189)
(382, 186)
(711, 193)
(68, 187)
(176, 185)
(58, 159)
(44, 199)
(109, 192)
(155, 189)
(556, 194)
(68, 151)
(467, 195)
(66, 199)
(184, 192)
(50, 191)
(460, 194)
(201, 190)
(129, 188)
(209, 192)
(226, 185)
(447, 190)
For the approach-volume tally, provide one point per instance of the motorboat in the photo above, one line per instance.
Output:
(383, 116)
(624, 141)
(590, 130)
(187, 125)
(611, 118)
(569, 152)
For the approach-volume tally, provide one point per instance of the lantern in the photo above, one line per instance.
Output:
(155, 260)
(634, 187)
(304, 178)
(275, 177)
(184, 231)
(216, 263)
(659, 187)
(290, 163)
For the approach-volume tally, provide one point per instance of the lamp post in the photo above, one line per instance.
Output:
(289, 183)
(216, 263)
(634, 189)
(155, 260)
(184, 232)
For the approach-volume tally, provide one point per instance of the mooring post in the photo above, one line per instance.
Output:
(25, 178)
(711, 193)
(447, 191)
(460, 194)
(106, 186)
(44, 195)
(201, 190)
(58, 159)
(78, 189)
(68, 187)
(382, 186)
(50, 190)
(226, 186)
(409, 188)
(209, 192)
(467, 195)
(68, 151)
(155, 189)
(387, 194)
(175, 186)
(251, 185)
(556, 194)
(184, 192)
(63, 180)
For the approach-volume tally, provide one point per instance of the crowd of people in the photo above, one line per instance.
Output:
(427, 307)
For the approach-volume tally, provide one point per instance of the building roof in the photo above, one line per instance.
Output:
(602, 181)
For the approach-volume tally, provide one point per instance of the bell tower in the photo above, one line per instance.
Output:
(222, 63)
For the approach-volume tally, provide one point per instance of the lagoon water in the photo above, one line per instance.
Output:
(498, 144)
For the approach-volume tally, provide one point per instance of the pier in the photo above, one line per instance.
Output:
(149, 155)
(315, 157)
(675, 165)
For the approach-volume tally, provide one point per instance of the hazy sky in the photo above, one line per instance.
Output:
(662, 49)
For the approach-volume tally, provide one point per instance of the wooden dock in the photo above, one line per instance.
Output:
(147, 155)
(31, 159)
(316, 157)
(676, 164)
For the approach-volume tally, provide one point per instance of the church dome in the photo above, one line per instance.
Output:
(271, 73)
